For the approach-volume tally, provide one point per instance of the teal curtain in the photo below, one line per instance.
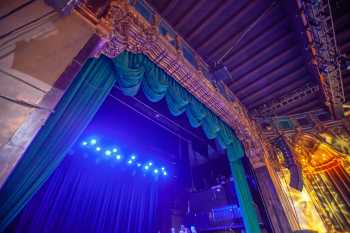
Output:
(132, 72)
(136, 71)
(73, 113)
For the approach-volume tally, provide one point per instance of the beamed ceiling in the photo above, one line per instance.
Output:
(257, 42)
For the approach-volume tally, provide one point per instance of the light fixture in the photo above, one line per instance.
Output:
(108, 152)
(114, 151)
(93, 141)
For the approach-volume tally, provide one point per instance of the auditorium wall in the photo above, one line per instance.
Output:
(37, 44)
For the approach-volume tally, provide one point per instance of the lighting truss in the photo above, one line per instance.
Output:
(112, 152)
(318, 15)
(270, 108)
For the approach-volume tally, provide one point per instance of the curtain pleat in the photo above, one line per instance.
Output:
(135, 70)
(82, 196)
(61, 130)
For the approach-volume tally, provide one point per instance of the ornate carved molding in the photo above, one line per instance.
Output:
(125, 29)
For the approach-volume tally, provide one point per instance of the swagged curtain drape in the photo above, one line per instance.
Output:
(132, 73)
(137, 71)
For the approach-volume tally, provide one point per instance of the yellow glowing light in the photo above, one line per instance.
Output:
(306, 212)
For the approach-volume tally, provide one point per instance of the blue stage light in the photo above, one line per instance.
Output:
(108, 152)
(93, 141)
(132, 159)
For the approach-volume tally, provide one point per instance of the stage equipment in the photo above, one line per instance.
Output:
(215, 209)
(319, 28)
(218, 78)
(64, 7)
(296, 180)
(95, 146)
(269, 109)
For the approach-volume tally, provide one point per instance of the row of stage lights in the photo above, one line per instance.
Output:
(114, 152)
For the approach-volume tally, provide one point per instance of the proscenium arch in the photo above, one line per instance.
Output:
(78, 106)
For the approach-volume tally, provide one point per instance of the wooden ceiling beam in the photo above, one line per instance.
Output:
(249, 43)
(276, 72)
(257, 69)
(269, 48)
(290, 87)
(212, 15)
(186, 16)
(169, 7)
(308, 106)
(266, 84)
(221, 48)
(227, 26)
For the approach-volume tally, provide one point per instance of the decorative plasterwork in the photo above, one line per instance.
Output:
(124, 29)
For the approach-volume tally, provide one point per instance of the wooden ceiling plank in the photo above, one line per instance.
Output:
(186, 16)
(277, 71)
(255, 103)
(254, 40)
(258, 68)
(221, 48)
(301, 72)
(228, 24)
(212, 15)
(265, 50)
(169, 7)
(308, 106)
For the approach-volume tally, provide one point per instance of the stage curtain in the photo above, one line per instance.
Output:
(78, 106)
(89, 197)
(137, 71)
(73, 113)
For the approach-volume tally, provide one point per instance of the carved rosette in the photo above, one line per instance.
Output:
(130, 32)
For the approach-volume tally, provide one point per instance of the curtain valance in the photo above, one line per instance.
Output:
(137, 71)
